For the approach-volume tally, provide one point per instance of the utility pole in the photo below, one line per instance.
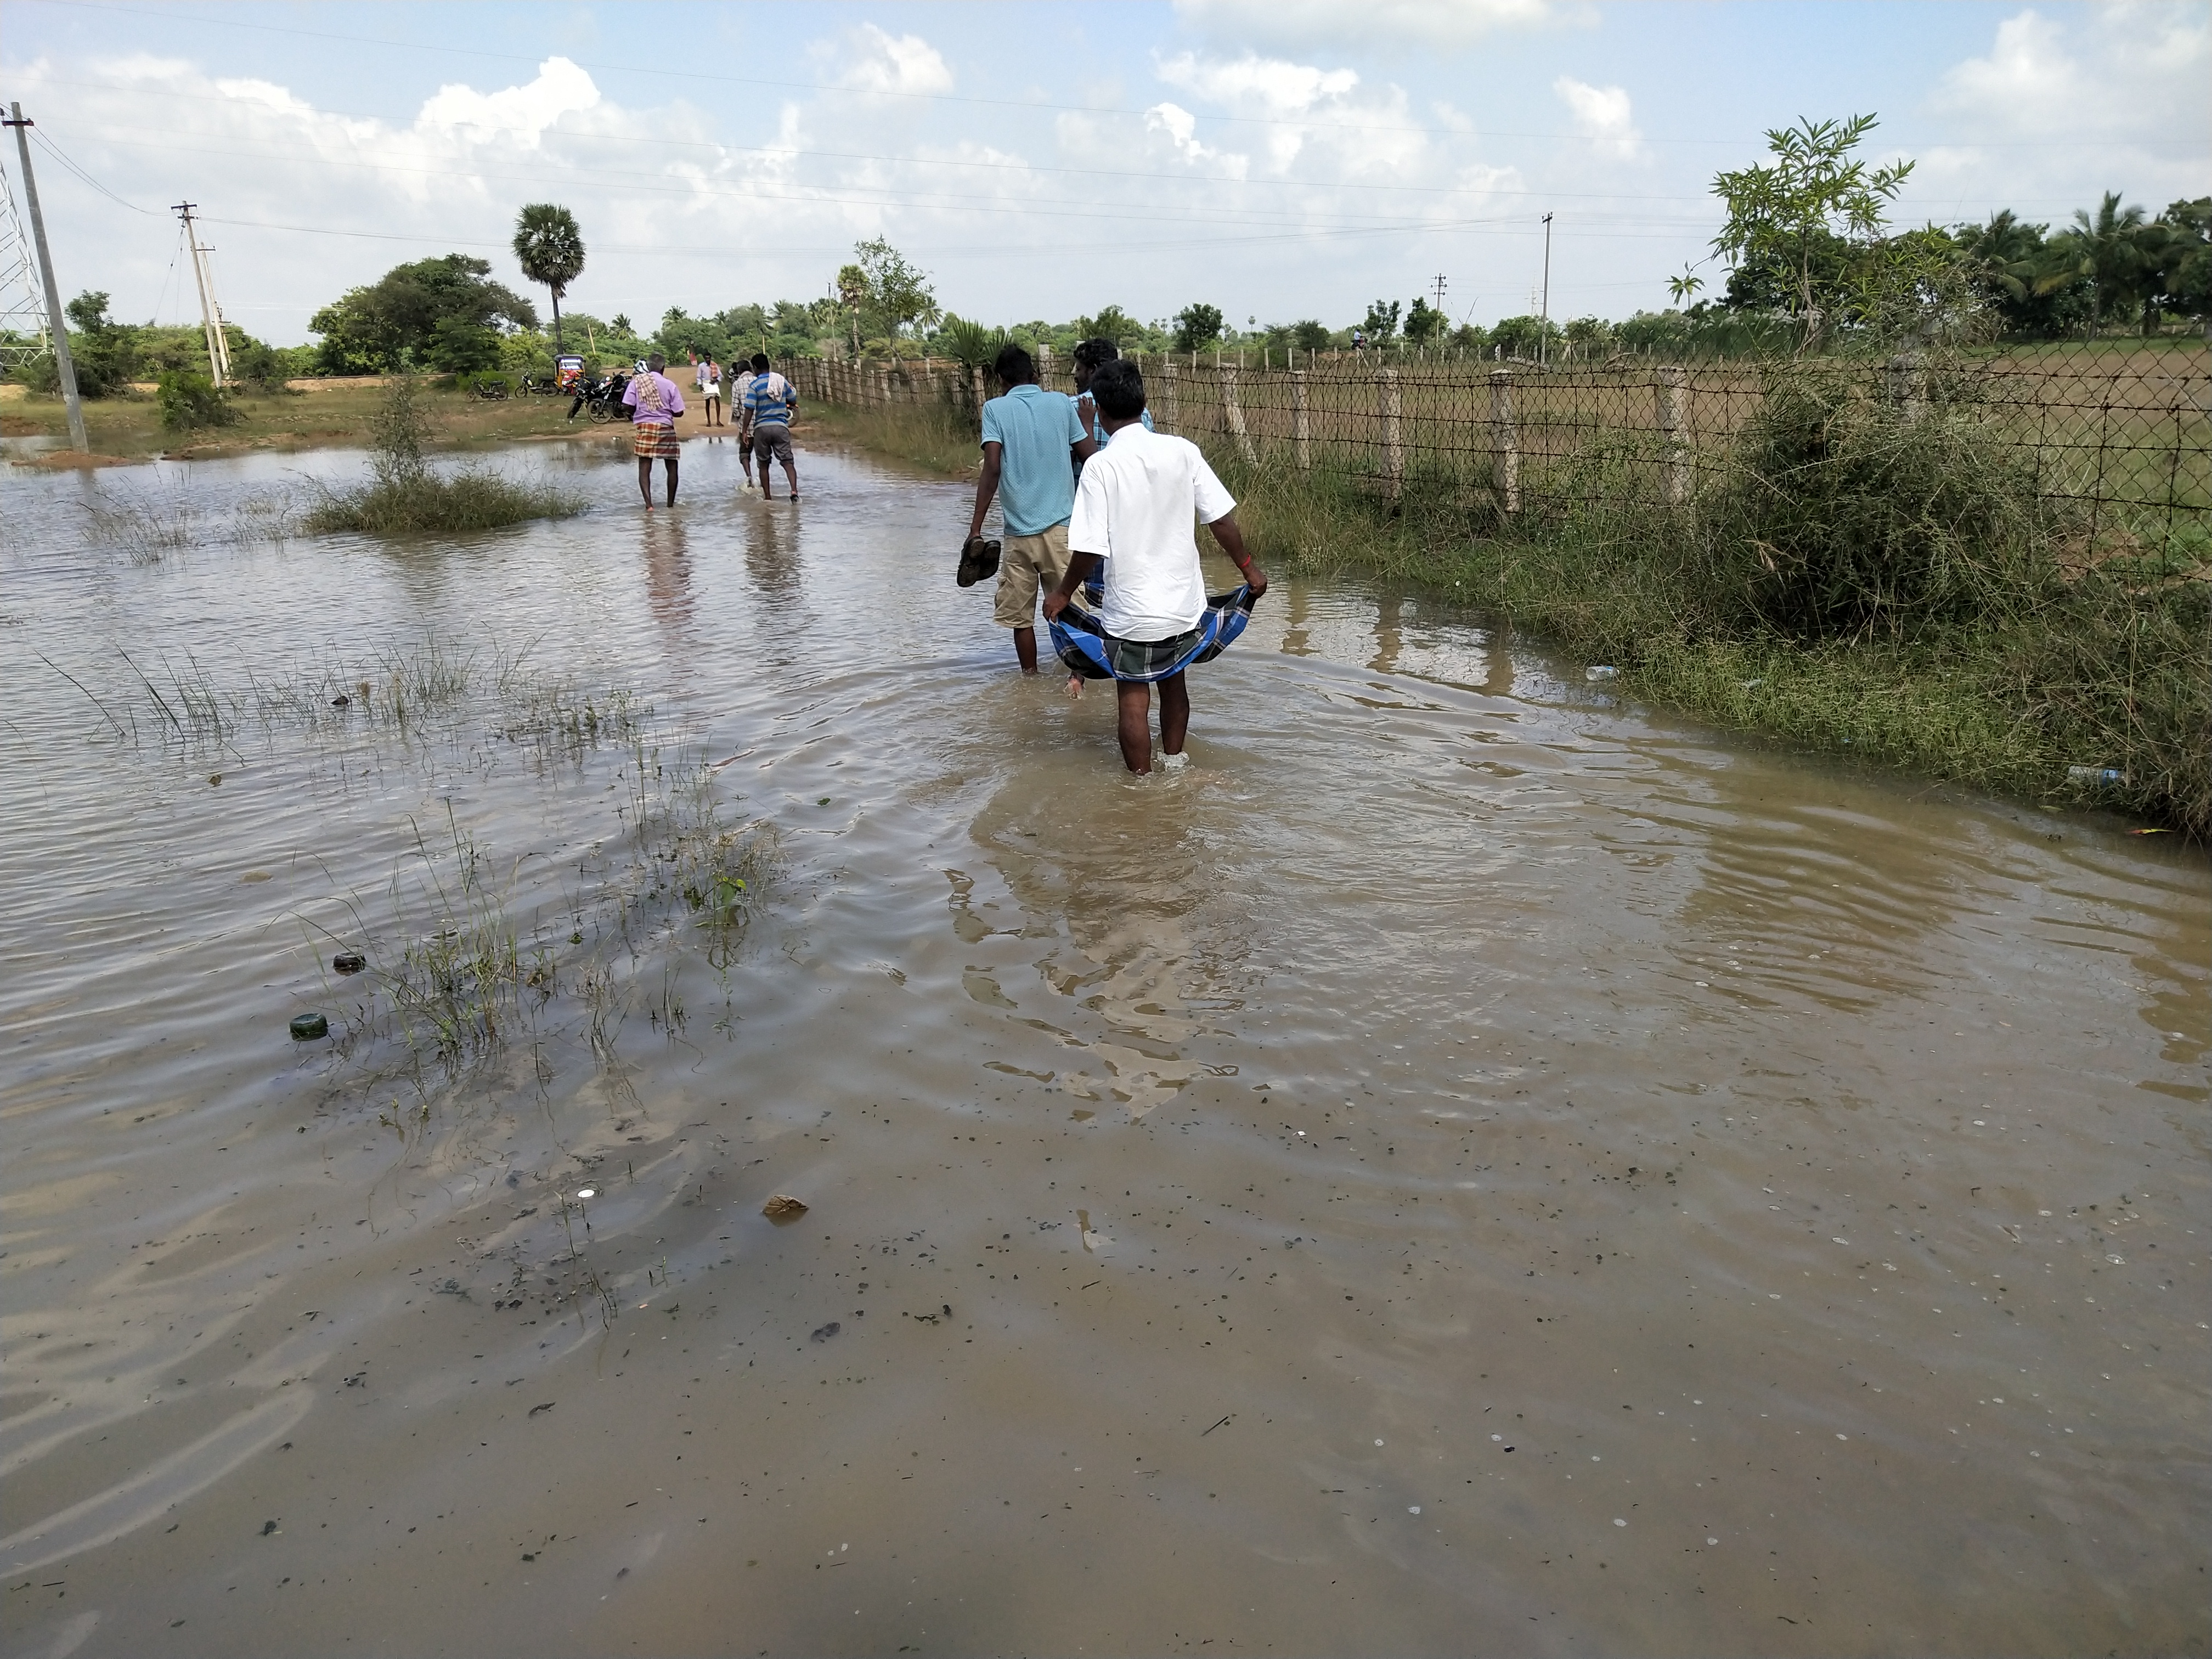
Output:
(62, 362)
(1544, 320)
(1440, 290)
(218, 344)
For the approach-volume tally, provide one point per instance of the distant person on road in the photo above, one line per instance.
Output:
(710, 392)
(655, 403)
(1134, 513)
(1029, 435)
(770, 402)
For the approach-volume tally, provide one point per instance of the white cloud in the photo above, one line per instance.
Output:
(560, 89)
(868, 59)
(1317, 118)
(1259, 83)
(2105, 98)
(1603, 115)
(1305, 24)
(1180, 127)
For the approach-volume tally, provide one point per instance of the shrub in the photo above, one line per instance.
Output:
(406, 497)
(190, 401)
(1848, 514)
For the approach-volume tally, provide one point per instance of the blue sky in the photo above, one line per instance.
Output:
(1281, 159)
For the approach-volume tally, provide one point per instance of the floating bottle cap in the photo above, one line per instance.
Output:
(306, 1028)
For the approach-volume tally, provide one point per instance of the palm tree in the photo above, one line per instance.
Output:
(2108, 251)
(549, 249)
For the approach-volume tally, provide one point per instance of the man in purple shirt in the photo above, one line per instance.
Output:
(655, 403)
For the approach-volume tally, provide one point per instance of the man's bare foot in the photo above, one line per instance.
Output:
(1075, 685)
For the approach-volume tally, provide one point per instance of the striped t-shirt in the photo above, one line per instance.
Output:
(769, 399)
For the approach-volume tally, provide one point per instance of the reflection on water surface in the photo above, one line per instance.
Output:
(1467, 1157)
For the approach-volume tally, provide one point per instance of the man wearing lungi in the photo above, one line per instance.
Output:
(655, 403)
(1133, 511)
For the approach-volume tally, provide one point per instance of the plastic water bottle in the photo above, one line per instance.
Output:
(1601, 671)
(2097, 774)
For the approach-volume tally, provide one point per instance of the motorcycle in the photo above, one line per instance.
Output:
(601, 400)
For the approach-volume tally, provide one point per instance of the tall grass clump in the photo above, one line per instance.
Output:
(938, 438)
(405, 496)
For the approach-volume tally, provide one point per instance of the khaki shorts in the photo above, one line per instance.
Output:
(1027, 563)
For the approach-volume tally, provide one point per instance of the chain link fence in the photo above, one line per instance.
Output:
(2120, 431)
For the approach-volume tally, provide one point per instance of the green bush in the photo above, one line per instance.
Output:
(406, 497)
(1846, 514)
(191, 401)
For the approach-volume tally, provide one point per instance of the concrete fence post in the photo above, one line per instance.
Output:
(1232, 417)
(982, 393)
(1301, 437)
(1672, 394)
(1908, 375)
(1165, 415)
(1393, 436)
(1504, 440)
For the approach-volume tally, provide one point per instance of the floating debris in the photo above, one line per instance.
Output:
(783, 1208)
(306, 1028)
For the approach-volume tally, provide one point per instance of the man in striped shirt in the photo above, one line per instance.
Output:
(770, 402)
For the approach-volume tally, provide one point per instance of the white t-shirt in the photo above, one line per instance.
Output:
(1135, 510)
(710, 378)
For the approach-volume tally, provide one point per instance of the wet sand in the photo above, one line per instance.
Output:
(1467, 1166)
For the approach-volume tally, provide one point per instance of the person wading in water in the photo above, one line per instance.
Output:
(1134, 513)
(1028, 437)
(765, 427)
(655, 403)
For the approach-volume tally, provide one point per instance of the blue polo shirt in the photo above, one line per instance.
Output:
(1036, 428)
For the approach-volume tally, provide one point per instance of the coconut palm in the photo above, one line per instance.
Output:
(2108, 251)
(549, 249)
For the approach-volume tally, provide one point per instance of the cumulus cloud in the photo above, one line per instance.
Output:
(1306, 24)
(870, 59)
(1179, 127)
(2125, 80)
(560, 89)
(1603, 115)
(1311, 115)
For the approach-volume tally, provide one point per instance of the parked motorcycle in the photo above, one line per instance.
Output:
(601, 400)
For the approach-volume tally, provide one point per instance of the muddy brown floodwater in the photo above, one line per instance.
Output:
(1470, 1166)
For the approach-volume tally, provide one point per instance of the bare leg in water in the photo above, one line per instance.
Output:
(645, 480)
(1134, 700)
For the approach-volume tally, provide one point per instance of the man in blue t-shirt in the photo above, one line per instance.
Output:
(1090, 356)
(1029, 435)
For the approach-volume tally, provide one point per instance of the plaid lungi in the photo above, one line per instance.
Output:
(1144, 659)
(655, 442)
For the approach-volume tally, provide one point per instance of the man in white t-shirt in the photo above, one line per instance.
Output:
(1133, 512)
(710, 391)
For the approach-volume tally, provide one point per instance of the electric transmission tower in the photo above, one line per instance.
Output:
(23, 334)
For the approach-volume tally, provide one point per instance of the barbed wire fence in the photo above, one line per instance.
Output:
(2122, 431)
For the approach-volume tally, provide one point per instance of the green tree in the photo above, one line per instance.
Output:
(1112, 323)
(106, 352)
(2106, 250)
(1787, 215)
(2185, 275)
(884, 294)
(1197, 326)
(549, 249)
(1425, 322)
(1309, 334)
(394, 323)
(2011, 268)
(1381, 322)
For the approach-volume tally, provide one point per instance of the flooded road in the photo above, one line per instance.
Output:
(1468, 1166)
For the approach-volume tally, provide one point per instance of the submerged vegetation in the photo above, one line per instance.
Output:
(404, 496)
